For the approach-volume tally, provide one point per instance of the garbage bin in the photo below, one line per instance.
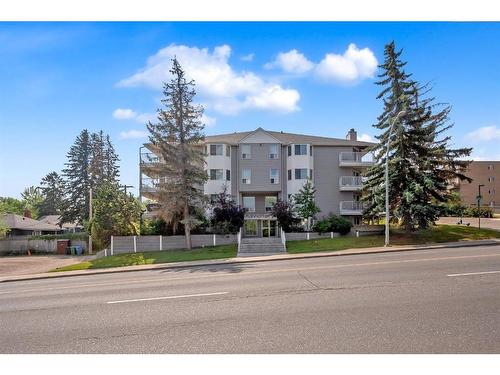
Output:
(62, 246)
(79, 250)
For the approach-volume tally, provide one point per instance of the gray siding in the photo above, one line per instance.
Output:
(235, 177)
(326, 179)
(284, 173)
(260, 201)
(260, 164)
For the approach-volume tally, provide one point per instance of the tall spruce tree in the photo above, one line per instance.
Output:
(178, 136)
(420, 160)
(52, 188)
(77, 180)
(111, 169)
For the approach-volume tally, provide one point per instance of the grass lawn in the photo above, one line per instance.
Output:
(439, 233)
(133, 259)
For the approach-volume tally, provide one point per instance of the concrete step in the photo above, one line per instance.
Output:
(261, 246)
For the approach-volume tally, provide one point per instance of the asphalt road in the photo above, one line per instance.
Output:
(426, 301)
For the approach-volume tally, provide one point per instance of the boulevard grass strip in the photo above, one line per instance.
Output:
(437, 234)
(153, 257)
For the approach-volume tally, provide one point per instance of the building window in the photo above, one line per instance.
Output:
(246, 152)
(249, 204)
(216, 174)
(301, 174)
(216, 150)
(491, 179)
(289, 150)
(311, 174)
(213, 198)
(491, 167)
(300, 149)
(228, 175)
(310, 151)
(228, 150)
(246, 176)
(273, 151)
(270, 202)
(274, 176)
(289, 174)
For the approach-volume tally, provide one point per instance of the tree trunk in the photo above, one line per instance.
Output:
(187, 227)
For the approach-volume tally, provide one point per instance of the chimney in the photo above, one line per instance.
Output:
(27, 213)
(352, 135)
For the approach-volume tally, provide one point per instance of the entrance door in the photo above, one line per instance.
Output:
(250, 228)
(269, 228)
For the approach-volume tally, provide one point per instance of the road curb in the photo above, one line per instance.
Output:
(270, 258)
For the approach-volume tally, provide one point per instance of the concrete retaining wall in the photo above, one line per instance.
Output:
(125, 244)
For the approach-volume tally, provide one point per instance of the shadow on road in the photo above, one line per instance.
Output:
(230, 268)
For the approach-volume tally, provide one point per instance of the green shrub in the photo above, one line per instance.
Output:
(333, 223)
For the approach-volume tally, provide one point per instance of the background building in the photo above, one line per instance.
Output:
(259, 167)
(486, 173)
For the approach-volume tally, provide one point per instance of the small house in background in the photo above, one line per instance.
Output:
(66, 227)
(24, 226)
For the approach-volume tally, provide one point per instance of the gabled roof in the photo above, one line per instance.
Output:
(259, 135)
(14, 221)
(286, 138)
(54, 220)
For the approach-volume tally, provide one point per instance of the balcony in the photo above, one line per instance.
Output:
(351, 208)
(350, 183)
(150, 185)
(148, 158)
(355, 159)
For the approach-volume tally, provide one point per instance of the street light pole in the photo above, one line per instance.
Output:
(90, 221)
(401, 113)
(479, 205)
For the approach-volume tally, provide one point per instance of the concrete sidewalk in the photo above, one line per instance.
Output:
(214, 262)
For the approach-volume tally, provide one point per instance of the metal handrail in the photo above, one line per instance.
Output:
(351, 181)
(358, 157)
(239, 239)
(351, 206)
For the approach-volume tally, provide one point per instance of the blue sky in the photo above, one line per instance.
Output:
(315, 78)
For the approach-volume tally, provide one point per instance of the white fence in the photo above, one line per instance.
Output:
(134, 244)
(12, 246)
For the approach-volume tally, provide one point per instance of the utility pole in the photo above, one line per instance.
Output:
(479, 205)
(125, 187)
(90, 221)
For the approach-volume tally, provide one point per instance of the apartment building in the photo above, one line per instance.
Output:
(486, 173)
(259, 167)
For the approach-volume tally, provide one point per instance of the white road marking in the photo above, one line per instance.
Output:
(244, 273)
(473, 273)
(168, 297)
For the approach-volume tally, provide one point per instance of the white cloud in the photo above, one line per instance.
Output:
(354, 65)
(208, 121)
(221, 87)
(143, 118)
(485, 133)
(291, 62)
(133, 134)
(366, 138)
(248, 57)
(123, 114)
